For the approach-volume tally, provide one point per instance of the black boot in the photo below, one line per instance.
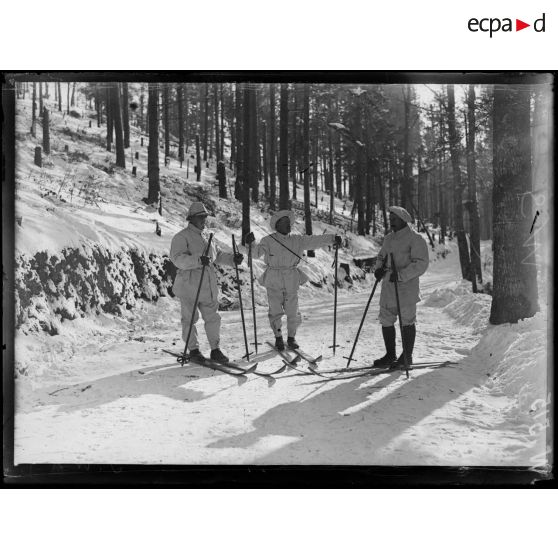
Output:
(389, 341)
(409, 334)
(279, 343)
(196, 356)
(291, 342)
(218, 356)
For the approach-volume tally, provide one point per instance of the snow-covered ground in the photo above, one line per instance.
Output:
(107, 394)
(101, 390)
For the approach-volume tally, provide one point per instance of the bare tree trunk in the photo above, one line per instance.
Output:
(125, 115)
(142, 101)
(315, 167)
(329, 180)
(68, 98)
(222, 179)
(59, 97)
(166, 123)
(198, 159)
(472, 180)
(441, 181)
(222, 125)
(110, 122)
(40, 98)
(457, 187)
(46, 132)
(284, 148)
(117, 119)
(238, 186)
(306, 162)
(272, 148)
(187, 120)
(205, 121)
(254, 147)
(293, 141)
(72, 102)
(407, 163)
(34, 111)
(265, 161)
(216, 121)
(250, 170)
(515, 272)
(179, 95)
(153, 149)
(382, 194)
(98, 102)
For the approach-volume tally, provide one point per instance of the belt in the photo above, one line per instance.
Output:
(281, 268)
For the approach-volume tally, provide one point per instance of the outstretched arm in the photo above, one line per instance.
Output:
(313, 241)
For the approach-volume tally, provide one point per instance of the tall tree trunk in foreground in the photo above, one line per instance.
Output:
(515, 274)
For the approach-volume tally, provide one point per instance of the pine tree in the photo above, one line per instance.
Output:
(126, 114)
(166, 120)
(457, 186)
(180, 99)
(515, 273)
(292, 137)
(34, 111)
(250, 170)
(476, 272)
(216, 121)
(117, 119)
(239, 148)
(284, 147)
(272, 148)
(46, 131)
(306, 162)
(153, 148)
(205, 121)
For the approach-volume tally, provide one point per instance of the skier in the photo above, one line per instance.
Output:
(187, 254)
(410, 252)
(282, 253)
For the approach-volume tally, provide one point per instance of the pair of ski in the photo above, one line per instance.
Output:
(231, 368)
(299, 354)
(345, 373)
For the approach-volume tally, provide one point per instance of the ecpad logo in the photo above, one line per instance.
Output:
(492, 25)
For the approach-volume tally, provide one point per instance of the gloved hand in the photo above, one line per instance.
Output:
(393, 278)
(379, 273)
(237, 258)
(205, 260)
(250, 238)
(338, 241)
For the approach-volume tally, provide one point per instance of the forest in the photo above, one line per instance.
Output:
(470, 162)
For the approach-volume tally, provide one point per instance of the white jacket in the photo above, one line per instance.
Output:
(410, 252)
(281, 265)
(186, 248)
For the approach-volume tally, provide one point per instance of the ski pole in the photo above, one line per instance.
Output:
(252, 290)
(361, 323)
(235, 252)
(399, 314)
(335, 263)
(185, 358)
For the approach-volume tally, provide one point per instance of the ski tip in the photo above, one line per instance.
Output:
(251, 368)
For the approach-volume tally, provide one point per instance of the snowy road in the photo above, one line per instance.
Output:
(112, 397)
